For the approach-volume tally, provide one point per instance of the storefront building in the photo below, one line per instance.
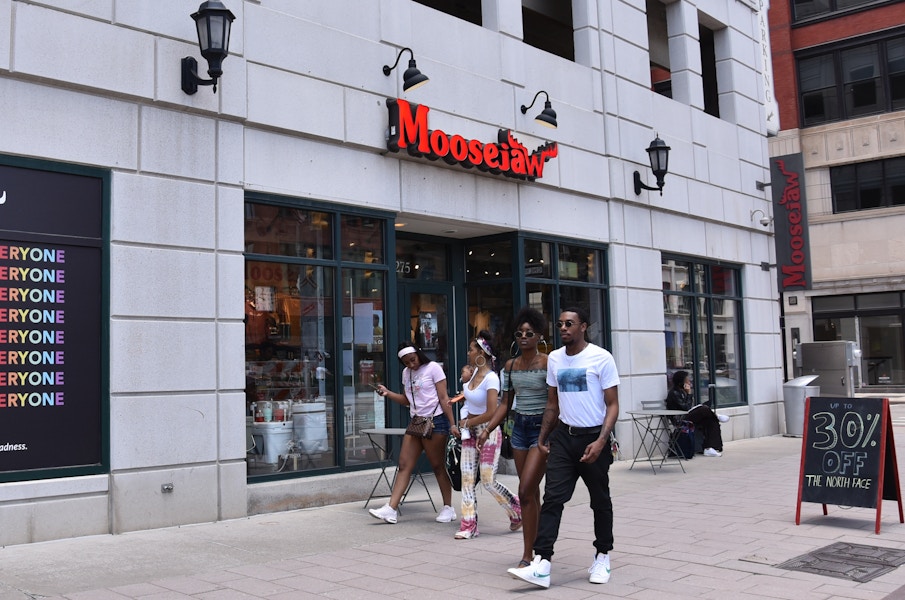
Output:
(198, 291)
(840, 84)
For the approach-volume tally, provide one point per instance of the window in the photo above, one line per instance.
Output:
(467, 10)
(808, 9)
(867, 185)
(874, 322)
(547, 24)
(557, 275)
(575, 278)
(708, 72)
(309, 358)
(701, 309)
(852, 81)
(658, 48)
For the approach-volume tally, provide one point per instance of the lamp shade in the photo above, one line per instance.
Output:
(213, 21)
(547, 117)
(658, 152)
(413, 78)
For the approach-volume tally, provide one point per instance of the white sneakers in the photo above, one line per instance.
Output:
(712, 452)
(723, 418)
(446, 514)
(385, 512)
(600, 570)
(537, 573)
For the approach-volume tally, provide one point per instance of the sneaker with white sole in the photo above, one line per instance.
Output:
(385, 512)
(600, 570)
(712, 452)
(537, 573)
(446, 514)
(723, 418)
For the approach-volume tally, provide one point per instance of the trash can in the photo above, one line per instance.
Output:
(794, 393)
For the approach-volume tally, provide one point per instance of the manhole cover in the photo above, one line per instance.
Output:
(847, 561)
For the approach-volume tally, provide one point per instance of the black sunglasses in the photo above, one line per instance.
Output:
(521, 334)
(567, 323)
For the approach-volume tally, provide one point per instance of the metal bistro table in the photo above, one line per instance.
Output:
(656, 429)
(387, 457)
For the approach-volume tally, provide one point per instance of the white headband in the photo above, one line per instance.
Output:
(406, 350)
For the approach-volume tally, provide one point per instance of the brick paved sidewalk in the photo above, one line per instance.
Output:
(716, 532)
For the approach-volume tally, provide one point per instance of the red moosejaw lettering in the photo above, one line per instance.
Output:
(409, 130)
(793, 275)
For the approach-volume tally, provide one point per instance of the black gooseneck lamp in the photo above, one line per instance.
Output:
(412, 78)
(213, 22)
(658, 153)
(547, 117)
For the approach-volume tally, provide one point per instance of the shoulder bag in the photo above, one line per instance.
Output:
(419, 427)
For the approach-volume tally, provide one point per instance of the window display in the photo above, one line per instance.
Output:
(307, 399)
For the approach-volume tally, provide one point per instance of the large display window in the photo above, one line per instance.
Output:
(874, 322)
(556, 275)
(314, 322)
(702, 316)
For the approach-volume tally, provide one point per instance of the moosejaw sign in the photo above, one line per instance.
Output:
(792, 245)
(408, 130)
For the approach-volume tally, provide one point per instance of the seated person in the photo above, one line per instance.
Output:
(703, 417)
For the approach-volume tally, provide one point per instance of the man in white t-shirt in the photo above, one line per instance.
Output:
(582, 408)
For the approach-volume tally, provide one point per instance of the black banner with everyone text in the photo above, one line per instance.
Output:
(50, 320)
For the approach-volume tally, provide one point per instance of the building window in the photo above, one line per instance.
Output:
(702, 314)
(467, 10)
(314, 320)
(658, 48)
(867, 185)
(847, 82)
(874, 322)
(708, 72)
(809, 9)
(547, 24)
(557, 275)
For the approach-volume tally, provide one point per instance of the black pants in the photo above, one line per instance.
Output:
(707, 421)
(563, 470)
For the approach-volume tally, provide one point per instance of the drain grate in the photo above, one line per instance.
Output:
(847, 561)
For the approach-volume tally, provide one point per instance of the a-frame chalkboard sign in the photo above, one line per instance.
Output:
(848, 456)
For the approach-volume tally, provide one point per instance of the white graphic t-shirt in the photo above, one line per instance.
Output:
(580, 381)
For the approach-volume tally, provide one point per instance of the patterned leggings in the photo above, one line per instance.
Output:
(489, 459)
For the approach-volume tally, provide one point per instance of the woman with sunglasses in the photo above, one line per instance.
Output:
(525, 393)
(481, 401)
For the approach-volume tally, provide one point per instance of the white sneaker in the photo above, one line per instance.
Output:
(385, 512)
(538, 572)
(723, 418)
(712, 452)
(600, 570)
(446, 514)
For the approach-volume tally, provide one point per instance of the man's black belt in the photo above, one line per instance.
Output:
(579, 431)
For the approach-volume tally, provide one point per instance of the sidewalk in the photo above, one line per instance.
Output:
(714, 532)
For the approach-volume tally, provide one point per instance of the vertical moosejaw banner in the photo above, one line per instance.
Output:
(793, 250)
(51, 254)
(507, 156)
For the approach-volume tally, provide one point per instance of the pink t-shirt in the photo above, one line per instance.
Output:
(424, 382)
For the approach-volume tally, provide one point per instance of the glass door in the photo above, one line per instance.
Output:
(427, 311)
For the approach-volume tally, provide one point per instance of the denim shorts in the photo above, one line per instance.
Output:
(525, 430)
(441, 424)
